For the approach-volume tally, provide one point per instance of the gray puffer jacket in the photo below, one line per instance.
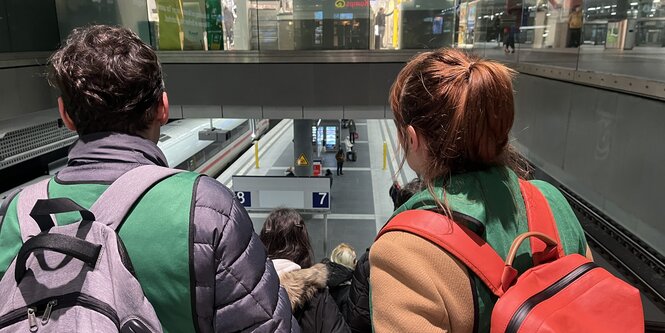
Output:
(235, 286)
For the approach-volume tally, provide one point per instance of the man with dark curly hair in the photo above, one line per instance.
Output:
(192, 245)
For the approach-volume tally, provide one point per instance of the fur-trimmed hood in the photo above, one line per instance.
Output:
(303, 284)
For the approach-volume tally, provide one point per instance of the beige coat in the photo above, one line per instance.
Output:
(418, 287)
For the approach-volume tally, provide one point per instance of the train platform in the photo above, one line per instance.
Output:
(360, 203)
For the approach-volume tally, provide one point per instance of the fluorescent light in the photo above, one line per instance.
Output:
(633, 3)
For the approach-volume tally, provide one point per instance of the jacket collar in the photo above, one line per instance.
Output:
(302, 285)
(103, 157)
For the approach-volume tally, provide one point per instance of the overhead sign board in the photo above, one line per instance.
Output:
(263, 193)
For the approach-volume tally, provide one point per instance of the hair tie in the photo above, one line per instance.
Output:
(469, 67)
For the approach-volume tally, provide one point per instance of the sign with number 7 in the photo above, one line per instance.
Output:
(320, 200)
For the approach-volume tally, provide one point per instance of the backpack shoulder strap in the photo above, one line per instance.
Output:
(5, 204)
(114, 204)
(540, 219)
(27, 199)
(459, 241)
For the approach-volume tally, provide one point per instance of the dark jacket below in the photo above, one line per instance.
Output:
(339, 283)
(357, 313)
(313, 306)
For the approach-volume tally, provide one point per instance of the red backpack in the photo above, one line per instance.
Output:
(561, 293)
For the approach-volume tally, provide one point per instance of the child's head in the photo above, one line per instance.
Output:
(344, 255)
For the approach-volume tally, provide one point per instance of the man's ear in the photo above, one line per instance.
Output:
(163, 110)
(64, 116)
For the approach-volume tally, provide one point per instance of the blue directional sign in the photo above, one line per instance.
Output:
(321, 200)
(245, 198)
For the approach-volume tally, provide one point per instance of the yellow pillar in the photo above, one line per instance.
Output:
(256, 154)
(396, 20)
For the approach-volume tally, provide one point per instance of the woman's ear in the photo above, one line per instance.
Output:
(412, 138)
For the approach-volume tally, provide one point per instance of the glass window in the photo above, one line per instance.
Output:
(28, 25)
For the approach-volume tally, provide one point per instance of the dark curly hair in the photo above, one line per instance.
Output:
(109, 80)
(285, 236)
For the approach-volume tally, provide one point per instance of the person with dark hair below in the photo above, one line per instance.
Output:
(340, 158)
(112, 94)
(357, 309)
(467, 166)
(403, 194)
(285, 236)
(394, 193)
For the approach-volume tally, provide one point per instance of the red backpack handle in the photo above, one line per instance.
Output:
(476, 253)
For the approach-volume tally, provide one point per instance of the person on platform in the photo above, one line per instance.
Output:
(575, 21)
(340, 158)
(509, 40)
(380, 23)
(353, 131)
(229, 18)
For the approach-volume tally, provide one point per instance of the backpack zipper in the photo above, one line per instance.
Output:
(50, 304)
(526, 307)
(47, 312)
(32, 320)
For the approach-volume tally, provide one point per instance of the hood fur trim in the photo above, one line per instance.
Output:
(301, 285)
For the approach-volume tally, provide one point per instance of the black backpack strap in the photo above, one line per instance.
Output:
(68, 245)
(114, 204)
(26, 201)
(43, 209)
(5, 204)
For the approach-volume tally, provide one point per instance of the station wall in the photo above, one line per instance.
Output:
(605, 146)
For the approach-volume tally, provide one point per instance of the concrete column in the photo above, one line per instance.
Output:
(302, 146)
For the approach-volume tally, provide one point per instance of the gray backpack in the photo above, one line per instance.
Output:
(77, 277)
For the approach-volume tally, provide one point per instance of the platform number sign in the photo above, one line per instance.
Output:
(320, 200)
(245, 198)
